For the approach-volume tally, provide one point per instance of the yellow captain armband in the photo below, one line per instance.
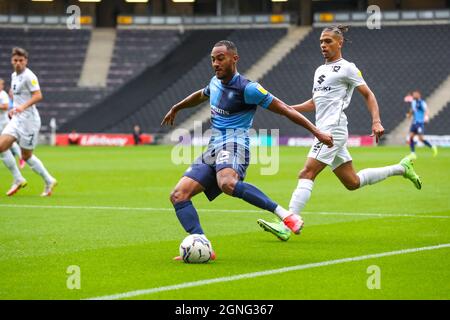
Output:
(261, 89)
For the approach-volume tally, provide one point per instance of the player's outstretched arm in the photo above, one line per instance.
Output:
(190, 101)
(280, 107)
(372, 105)
(306, 106)
(427, 115)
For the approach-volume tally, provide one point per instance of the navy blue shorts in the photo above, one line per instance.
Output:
(417, 128)
(214, 159)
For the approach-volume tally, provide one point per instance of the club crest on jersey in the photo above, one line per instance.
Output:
(336, 68)
(317, 147)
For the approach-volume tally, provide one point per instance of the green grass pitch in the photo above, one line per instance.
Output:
(90, 222)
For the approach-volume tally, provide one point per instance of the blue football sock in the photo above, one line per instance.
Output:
(427, 143)
(188, 217)
(412, 145)
(254, 196)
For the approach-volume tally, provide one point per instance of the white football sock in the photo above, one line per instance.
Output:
(39, 168)
(374, 175)
(15, 149)
(281, 212)
(301, 195)
(10, 163)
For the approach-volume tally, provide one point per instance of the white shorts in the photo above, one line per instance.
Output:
(337, 154)
(25, 132)
(3, 125)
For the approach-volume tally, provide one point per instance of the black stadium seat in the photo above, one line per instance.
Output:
(440, 124)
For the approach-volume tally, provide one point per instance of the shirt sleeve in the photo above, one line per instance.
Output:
(354, 76)
(206, 90)
(424, 105)
(33, 83)
(254, 93)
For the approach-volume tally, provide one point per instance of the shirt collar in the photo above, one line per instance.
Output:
(236, 75)
(334, 61)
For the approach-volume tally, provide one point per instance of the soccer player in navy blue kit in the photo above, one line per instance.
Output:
(222, 167)
(419, 113)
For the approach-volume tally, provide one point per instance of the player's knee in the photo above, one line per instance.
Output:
(227, 185)
(3, 146)
(307, 173)
(178, 195)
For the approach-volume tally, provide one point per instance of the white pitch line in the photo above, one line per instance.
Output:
(218, 210)
(136, 293)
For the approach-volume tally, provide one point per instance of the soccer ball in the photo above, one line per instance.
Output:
(196, 248)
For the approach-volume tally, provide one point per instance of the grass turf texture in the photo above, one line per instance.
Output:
(121, 250)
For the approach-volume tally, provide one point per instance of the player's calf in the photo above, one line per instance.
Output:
(352, 185)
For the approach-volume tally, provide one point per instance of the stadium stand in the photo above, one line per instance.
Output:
(439, 125)
(136, 93)
(164, 85)
(56, 56)
(135, 50)
(251, 43)
(393, 60)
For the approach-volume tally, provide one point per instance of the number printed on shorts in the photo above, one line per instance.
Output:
(31, 137)
(317, 147)
(223, 157)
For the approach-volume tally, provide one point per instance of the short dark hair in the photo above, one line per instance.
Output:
(16, 51)
(228, 44)
(339, 30)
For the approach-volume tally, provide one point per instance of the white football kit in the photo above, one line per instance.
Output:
(332, 91)
(4, 99)
(24, 126)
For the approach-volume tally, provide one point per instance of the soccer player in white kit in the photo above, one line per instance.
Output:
(333, 87)
(25, 121)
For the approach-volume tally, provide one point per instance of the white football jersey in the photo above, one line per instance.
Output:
(23, 85)
(4, 99)
(333, 87)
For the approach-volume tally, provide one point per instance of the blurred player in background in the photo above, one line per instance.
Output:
(222, 167)
(333, 87)
(137, 135)
(419, 114)
(25, 121)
